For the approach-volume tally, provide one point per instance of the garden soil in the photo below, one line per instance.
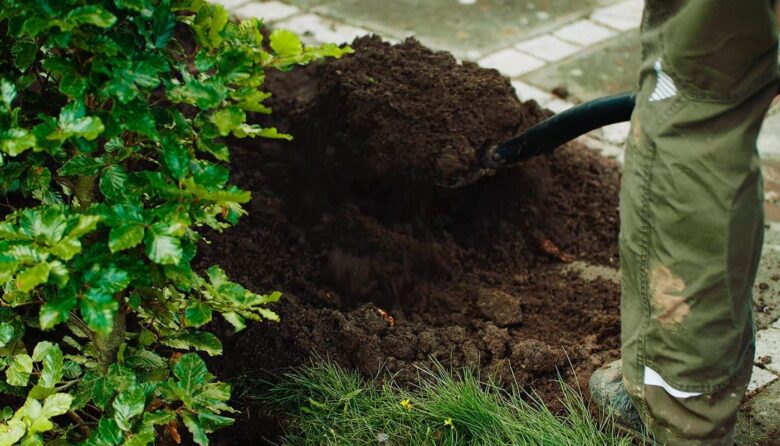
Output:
(382, 269)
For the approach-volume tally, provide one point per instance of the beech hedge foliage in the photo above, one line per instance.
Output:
(114, 116)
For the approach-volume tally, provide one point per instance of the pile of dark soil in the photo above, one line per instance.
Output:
(381, 267)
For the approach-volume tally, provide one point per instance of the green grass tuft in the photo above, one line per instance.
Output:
(328, 405)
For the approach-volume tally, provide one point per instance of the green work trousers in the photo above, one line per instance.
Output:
(692, 216)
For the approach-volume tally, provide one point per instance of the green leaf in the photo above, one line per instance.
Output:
(107, 433)
(87, 15)
(163, 25)
(197, 314)
(199, 340)
(98, 315)
(125, 237)
(12, 432)
(176, 159)
(56, 404)
(161, 247)
(30, 278)
(209, 23)
(6, 333)
(52, 367)
(113, 182)
(40, 350)
(191, 372)
(227, 119)
(7, 92)
(18, 373)
(255, 130)
(128, 76)
(102, 392)
(285, 43)
(73, 122)
(24, 52)
(16, 141)
(105, 280)
(40, 392)
(145, 359)
(127, 405)
(193, 425)
(206, 94)
(83, 165)
(211, 421)
(56, 311)
(67, 248)
(86, 223)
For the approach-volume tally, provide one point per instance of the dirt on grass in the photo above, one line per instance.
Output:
(384, 270)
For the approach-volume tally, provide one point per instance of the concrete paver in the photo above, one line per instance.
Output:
(268, 11)
(584, 32)
(606, 69)
(623, 16)
(511, 62)
(759, 421)
(231, 4)
(469, 31)
(768, 349)
(769, 138)
(760, 379)
(315, 29)
(766, 292)
(547, 47)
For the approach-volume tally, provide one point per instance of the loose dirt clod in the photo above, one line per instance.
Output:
(346, 221)
(385, 121)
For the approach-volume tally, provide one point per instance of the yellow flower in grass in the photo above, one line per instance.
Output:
(448, 422)
(406, 404)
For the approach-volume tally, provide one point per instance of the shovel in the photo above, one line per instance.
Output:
(552, 133)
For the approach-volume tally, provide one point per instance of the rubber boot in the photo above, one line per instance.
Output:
(607, 391)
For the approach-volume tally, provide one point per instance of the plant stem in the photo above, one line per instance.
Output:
(108, 344)
(85, 190)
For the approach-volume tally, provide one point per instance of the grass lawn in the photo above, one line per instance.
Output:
(328, 405)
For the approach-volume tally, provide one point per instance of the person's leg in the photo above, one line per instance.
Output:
(691, 214)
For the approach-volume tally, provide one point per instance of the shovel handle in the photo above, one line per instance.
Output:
(562, 128)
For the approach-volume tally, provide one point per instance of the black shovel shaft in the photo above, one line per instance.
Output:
(562, 128)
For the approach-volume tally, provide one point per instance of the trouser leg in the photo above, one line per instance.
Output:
(691, 213)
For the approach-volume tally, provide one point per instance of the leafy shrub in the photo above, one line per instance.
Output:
(113, 115)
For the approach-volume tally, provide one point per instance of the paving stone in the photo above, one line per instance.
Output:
(558, 105)
(769, 138)
(547, 48)
(759, 418)
(759, 379)
(615, 133)
(584, 33)
(231, 4)
(623, 16)
(607, 69)
(766, 292)
(511, 62)
(526, 92)
(268, 11)
(768, 345)
(606, 149)
(484, 27)
(316, 29)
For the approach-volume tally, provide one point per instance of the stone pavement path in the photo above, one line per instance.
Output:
(590, 47)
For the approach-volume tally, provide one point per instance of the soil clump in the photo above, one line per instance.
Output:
(384, 270)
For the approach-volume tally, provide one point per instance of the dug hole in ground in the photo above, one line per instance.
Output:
(384, 270)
